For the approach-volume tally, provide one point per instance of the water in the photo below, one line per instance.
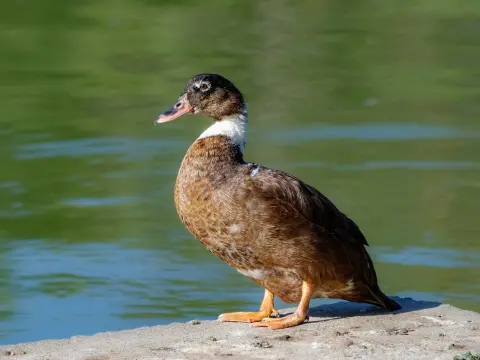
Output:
(375, 104)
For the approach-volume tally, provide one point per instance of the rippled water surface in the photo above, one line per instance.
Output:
(375, 104)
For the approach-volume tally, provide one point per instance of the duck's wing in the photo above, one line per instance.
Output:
(284, 196)
(279, 188)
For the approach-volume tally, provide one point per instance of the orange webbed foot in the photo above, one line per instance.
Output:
(282, 323)
(298, 317)
(249, 317)
(266, 310)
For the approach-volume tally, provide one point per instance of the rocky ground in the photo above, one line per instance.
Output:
(421, 330)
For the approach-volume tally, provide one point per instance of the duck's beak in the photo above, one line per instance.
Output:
(181, 107)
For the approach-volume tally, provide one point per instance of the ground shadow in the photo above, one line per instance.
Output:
(345, 309)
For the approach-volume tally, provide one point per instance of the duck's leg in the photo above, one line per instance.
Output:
(266, 309)
(298, 317)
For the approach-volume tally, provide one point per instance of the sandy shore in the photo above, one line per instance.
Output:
(422, 330)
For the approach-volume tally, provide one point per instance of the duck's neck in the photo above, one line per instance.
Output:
(233, 127)
(212, 158)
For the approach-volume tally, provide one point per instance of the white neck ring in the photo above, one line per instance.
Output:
(234, 127)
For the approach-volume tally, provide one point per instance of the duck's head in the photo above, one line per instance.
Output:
(208, 94)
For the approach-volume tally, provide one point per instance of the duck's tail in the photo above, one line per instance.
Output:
(383, 300)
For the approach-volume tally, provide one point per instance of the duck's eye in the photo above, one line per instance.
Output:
(204, 86)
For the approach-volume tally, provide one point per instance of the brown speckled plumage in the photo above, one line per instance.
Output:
(280, 232)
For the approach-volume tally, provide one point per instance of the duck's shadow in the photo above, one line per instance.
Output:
(346, 309)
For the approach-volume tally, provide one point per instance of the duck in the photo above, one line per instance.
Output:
(267, 224)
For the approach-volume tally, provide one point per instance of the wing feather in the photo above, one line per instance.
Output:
(305, 200)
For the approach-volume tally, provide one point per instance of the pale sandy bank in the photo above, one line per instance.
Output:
(422, 330)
